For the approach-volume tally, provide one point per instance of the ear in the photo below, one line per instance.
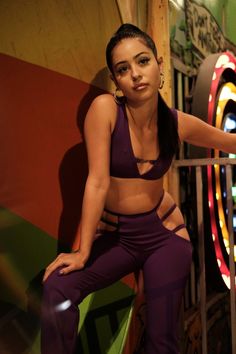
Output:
(111, 77)
(160, 63)
(114, 80)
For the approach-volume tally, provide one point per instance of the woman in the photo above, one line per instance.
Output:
(130, 144)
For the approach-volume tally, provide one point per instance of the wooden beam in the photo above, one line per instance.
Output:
(158, 29)
(127, 11)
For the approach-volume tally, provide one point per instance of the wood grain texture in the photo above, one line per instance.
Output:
(66, 36)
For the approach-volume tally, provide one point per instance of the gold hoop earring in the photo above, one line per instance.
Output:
(118, 99)
(162, 81)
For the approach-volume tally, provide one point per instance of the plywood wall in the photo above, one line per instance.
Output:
(66, 36)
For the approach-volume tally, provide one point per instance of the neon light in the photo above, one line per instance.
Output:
(232, 156)
(234, 191)
(222, 61)
(228, 92)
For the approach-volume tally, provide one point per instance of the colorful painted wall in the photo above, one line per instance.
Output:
(52, 65)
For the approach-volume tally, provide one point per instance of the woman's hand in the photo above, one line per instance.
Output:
(68, 263)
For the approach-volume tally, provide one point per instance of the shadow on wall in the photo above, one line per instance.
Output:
(73, 173)
(19, 329)
(104, 304)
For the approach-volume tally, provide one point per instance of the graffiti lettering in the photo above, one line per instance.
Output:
(199, 21)
(203, 30)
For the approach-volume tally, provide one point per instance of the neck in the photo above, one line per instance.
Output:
(143, 115)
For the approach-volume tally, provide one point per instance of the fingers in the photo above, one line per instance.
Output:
(71, 266)
(68, 269)
(70, 262)
(49, 270)
(58, 262)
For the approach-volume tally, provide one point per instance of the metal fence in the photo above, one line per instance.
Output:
(198, 164)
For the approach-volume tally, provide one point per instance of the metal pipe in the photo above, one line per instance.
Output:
(201, 251)
(205, 162)
(231, 256)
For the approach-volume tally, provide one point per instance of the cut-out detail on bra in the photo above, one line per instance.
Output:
(137, 159)
(142, 171)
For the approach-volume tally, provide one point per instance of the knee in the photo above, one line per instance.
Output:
(61, 289)
(53, 286)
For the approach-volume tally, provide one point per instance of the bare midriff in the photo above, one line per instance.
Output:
(133, 195)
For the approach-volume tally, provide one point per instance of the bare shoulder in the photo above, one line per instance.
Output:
(104, 103)
(187, 123)
(180, 123)
(197, 132)
(181, 115)
(102, 111)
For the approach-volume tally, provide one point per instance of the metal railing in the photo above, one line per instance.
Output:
(199, 164)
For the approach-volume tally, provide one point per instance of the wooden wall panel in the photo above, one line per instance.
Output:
(66, 36)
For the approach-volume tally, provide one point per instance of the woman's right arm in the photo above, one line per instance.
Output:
(97, 131)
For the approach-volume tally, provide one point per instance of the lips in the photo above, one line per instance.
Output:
(139, 87)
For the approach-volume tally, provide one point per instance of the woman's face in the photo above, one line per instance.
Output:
(136, 70)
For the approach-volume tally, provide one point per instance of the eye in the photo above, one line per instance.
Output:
(122, 69)
(144, 60)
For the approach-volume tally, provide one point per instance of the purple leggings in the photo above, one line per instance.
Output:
(140, 241)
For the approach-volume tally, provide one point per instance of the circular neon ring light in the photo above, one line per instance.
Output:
(225, 61)
(227, 92)
(213, 91)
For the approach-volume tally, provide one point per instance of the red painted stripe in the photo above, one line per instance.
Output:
(42, 157)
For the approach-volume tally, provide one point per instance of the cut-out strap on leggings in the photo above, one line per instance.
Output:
(179, 227)
(109, 222)
(168, 213)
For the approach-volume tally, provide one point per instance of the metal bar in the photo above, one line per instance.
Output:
(201, 251)
(192, 284)
(205, 162)
(180, 90)
(174, 188)
(231, 256)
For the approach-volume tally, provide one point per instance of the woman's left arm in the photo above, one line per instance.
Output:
(196, 132)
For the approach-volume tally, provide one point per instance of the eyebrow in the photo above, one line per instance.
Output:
(125, 61)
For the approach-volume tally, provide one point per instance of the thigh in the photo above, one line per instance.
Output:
(167, 268)
(108, 263)
(165, 273)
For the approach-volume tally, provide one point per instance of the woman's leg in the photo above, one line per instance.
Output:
(165, 273)
(62, 293)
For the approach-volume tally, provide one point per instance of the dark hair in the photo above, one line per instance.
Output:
(167, 129)
(167, 124)
(127, 30)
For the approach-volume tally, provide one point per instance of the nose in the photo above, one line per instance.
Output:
(135, 74)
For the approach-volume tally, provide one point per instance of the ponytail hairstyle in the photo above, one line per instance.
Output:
(167, 123)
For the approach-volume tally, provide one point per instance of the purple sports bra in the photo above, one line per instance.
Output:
(123, 163)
